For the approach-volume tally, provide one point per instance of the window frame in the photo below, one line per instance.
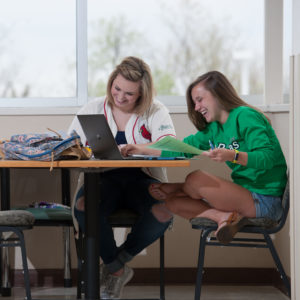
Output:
(273, 54)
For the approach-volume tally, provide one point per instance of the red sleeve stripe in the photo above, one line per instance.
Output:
(165, 135)
(133, 130)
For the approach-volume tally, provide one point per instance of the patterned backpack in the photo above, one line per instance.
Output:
(43, 147)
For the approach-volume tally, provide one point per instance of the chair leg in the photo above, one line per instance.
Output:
(278, 264)
(79, 278)
(25, 265)
(5, 267)
(79, 250)
(162, 267)
(203, 237)
(67, 257)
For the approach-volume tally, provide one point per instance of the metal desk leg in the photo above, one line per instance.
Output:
(5, 205)
(5, 267)
(92, 197)
(67, 257)
(65, 184)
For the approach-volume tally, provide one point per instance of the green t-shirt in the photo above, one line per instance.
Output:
(246, 130)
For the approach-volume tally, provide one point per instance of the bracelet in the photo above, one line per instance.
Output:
(236, 156)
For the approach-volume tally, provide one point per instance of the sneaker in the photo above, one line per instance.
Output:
(115, 284)
(103, 274)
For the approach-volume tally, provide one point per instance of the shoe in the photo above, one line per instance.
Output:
(233, 224)
(115, 284)
(104, 275)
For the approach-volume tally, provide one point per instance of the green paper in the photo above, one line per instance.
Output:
(171, 144)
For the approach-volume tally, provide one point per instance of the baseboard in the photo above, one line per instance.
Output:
(173, 276)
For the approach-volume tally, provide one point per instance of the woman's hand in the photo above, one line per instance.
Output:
(222, 155)
(130, 149)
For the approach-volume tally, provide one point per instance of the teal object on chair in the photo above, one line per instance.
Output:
(50, 216)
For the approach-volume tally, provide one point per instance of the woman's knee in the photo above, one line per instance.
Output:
(80, 204)
(161, 212)
(193, 183)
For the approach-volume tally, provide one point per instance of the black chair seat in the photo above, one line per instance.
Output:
(253, 224)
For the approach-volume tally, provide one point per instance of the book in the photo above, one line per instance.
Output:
(171, 144)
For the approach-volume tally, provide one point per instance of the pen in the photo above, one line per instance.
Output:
(211, 145)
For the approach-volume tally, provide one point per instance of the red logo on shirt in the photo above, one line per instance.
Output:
(145, 133)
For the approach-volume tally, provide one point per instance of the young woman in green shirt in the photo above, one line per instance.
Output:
(231, 131)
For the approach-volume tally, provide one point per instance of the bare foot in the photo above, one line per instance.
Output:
(156, 192)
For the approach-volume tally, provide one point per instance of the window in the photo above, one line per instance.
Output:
(49, 61)
(37, 51)
(180, 40)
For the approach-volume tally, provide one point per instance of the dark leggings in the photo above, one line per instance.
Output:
(125, 188)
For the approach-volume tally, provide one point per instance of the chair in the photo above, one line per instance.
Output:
(262, 226)
(58, 217)
(15, 222)
(121, 218)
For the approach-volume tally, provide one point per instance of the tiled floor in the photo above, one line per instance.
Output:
(172, 293)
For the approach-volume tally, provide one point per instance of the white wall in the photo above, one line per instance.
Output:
(295, 150)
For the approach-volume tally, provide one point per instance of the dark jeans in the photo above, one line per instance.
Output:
(125, 188)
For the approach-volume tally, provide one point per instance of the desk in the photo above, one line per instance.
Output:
(92, 175)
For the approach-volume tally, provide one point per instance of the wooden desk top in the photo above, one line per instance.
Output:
(94, 163)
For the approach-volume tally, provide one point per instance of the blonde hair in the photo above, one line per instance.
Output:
(221, 88)
(136, 70)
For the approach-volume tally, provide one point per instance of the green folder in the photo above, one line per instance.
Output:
(171, 144)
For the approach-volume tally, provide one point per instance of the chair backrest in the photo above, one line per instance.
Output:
(285, 206)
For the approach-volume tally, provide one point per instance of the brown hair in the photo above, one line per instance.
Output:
(136, 70)
(221, 88)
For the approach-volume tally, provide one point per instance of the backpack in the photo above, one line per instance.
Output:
(43, 147)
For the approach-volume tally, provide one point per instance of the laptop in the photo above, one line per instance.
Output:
(101, 139)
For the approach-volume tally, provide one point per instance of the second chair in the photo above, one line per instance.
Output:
(15, 222)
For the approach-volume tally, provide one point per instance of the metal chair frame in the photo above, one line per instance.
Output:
(18, 241)
(264, 242)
